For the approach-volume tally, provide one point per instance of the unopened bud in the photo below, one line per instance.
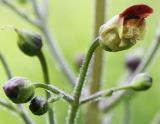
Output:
(19, 90)
(39, 106)
(133, 60)
(30, 43)
(141, 82)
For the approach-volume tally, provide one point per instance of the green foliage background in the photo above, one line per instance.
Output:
(72, 24)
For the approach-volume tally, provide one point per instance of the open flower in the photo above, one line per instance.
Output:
(123, 30)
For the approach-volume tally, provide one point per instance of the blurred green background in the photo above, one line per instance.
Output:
(72, 24)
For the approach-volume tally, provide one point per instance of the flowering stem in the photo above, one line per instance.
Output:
(5, 65)
(95, 85)
(80, 83)
(142, 67)
(55, 90)
(42, 26)
(42, 60)
(105, 93)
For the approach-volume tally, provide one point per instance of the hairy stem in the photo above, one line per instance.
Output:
(55, 90)
(142, 67)
(99, 18)
(55, 51)
(80, 83)
(104, 93)
(42, 59)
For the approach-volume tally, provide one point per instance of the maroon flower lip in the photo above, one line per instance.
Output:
(139, 11)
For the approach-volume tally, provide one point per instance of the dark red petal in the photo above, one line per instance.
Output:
(140, 10)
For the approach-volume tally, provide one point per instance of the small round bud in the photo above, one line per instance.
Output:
(133, 60)
(19, 90)
(29, 43)
(39, 106)
(141, 82)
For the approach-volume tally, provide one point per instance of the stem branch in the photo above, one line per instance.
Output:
(80, 83)
(55, 90)
(42, 59)
(142, 67)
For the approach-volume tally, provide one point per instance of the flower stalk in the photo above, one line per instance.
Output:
(96, 72)
(55, 90)
(78, 88)
(51, 116)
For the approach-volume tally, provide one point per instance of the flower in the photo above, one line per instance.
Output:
(19, 90)
(123, 30)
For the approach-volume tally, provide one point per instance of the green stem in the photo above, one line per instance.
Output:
(142, 67)
(80, 83)
(64, 66)
(104, 93)
(55, 90)
(42, 59)
(5, 65)
(59, 56)
(43, 27)
(99, 18)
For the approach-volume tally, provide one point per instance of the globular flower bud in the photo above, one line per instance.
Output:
(123, 30)
(39, 106)
(133, 60)
(141, 82)
(19, 90)
(30, 43)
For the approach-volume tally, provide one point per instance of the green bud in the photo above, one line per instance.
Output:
(39, 106)
(141, 82)
(29, 43)
(19, 90)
